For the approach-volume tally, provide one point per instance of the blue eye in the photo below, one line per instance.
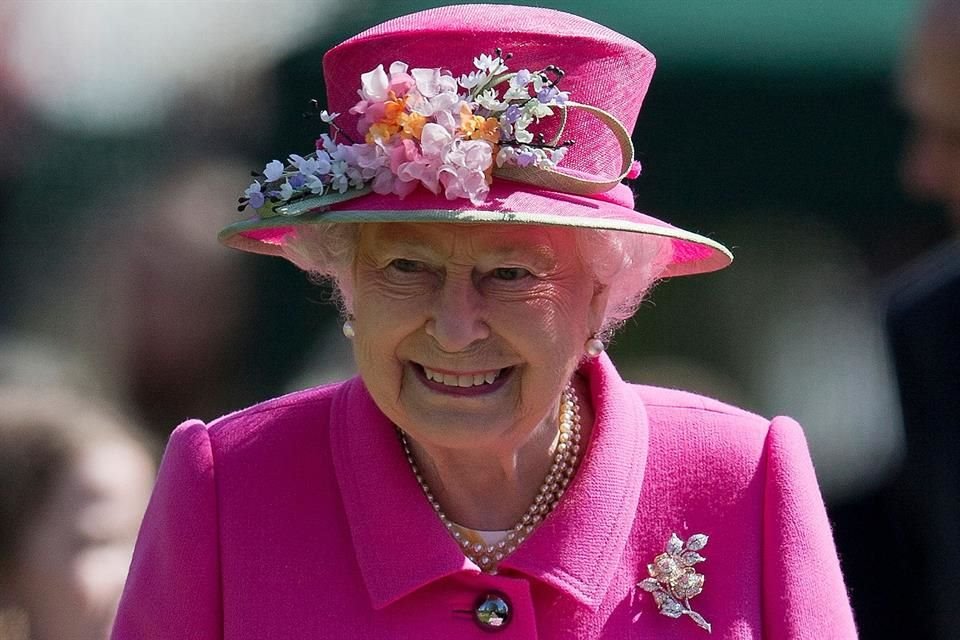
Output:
(407, 266)
(510, 273)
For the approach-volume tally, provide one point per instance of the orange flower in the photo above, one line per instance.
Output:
(411, 124)
(488, 129)
(381, 131)
(392, 110)
(488, 173)
(480, 128)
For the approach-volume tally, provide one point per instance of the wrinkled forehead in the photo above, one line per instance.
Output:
(449, 239)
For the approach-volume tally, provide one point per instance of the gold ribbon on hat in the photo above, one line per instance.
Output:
(558, 181)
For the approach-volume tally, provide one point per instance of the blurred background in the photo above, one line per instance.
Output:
(128, 130)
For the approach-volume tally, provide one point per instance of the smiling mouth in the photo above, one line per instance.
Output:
(465, 380)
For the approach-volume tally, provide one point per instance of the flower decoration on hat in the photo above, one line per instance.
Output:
(673, 580)
(425, 127)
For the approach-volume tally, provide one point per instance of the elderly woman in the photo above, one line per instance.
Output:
(488, 470)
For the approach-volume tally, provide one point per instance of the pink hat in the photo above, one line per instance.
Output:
(473, 113)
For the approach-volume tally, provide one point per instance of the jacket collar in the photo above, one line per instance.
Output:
(401, 545)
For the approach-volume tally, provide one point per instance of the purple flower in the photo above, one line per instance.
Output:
(297, 180)
(512, 114)
(547, 94)
(522, 78)
(526, 158)
(254, 195)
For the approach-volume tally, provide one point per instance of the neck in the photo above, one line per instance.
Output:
(490, 489)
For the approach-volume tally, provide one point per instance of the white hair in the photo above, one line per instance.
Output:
(627, 264)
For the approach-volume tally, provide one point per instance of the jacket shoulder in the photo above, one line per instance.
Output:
(274, 418)
(660, 401)
(691, 429)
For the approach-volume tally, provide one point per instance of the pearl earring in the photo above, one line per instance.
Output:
(594, 346)
(348, 329)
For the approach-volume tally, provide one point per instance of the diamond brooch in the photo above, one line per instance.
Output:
(673, 579)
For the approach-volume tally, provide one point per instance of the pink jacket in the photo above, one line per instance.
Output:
(299, 518)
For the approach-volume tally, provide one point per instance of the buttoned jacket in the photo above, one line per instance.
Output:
(300, 518)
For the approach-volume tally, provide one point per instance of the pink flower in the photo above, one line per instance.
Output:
(460, 182)
(360, 108)
(405, 151)
(429, 82)
(434, 139)
(423, 170)
(400, 81)
(374, 85)
(383, 182)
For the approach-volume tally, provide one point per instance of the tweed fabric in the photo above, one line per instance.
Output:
(300, 518)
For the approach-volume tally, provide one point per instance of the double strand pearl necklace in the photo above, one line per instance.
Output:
(565, 459)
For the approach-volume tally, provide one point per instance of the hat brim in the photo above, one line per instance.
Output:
(507, 203)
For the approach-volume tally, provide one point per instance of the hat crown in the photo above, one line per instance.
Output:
(603, 68)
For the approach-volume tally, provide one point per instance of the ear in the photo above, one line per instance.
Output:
(598, 307)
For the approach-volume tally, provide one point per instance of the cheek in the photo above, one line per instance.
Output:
(382, 324)
(560, 309)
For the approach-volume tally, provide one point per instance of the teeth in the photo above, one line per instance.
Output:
(469, 380)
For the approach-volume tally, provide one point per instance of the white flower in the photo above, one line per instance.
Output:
(522, 135)
(489, 64)
(323, 163)
(286, 191)
(434, 139)
(374, 85)
(306, 166)
(488, 100)
(472, 80)
(538, 110)
(517, 93)
(506, 156)
(328, 117)
(328, 144)
(447, 121)
(557, 155)
(315, 184)
(427, 81)
(273, 170)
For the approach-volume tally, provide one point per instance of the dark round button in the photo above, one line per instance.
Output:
(492, 612)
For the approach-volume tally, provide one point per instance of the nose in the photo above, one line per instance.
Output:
(456, 320)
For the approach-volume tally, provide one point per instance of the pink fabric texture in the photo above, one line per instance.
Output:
(299, 518)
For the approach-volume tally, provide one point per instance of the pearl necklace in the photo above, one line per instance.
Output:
(565, 459)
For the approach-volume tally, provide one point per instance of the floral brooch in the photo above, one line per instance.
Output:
(673, 579)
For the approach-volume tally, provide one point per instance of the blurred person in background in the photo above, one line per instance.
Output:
(164, 319)
(923, 321)
(75, 477)
(930, 92)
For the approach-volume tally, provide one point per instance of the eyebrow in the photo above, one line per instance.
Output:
(540, 252)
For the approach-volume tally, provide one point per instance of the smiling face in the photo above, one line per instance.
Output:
(466, 334)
